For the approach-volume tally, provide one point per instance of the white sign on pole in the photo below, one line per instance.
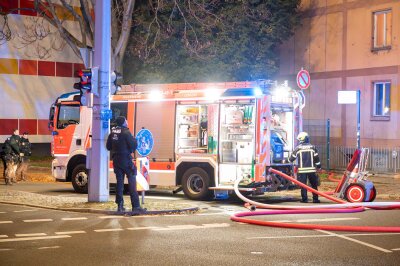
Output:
(347, 97)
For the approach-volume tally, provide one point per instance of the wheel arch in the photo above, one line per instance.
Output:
(72, 163)
(184, 166)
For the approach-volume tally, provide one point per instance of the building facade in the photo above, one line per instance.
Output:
(348, 45)
(36, 66)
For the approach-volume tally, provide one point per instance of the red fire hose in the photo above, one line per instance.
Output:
(343, 207)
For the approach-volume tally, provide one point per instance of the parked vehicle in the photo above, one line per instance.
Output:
(206, 135)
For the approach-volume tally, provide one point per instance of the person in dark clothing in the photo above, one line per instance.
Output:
(308, 163)
(11, 157)
(122, 144)
(25, 153)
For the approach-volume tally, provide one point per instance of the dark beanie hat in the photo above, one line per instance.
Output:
(120, 120)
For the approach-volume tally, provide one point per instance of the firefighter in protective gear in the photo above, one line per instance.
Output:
(11, 157)
(308, 162)
(25, 153)
(122, 144)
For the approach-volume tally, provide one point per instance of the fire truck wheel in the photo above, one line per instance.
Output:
(80, 178)
(195, 184)
(355, 193)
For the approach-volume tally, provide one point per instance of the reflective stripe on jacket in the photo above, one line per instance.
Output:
(307, 158)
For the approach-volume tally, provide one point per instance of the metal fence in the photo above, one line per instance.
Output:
(380, 160)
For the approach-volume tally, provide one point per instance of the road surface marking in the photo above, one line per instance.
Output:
(49, 247)
(142, 228)
(2, 212)
(70, 232)
(6, 222)
(210, 214)
(3, 236)
(257, 252)
(355, 241)
(396, 249)
(5, 249)
(307, 236)
(112, 217)
(31, 238)
(215, 225)
(108, 230)
(74, 218)
(26, 211)
(35, 234)
(191, 226)
(38, 220)
(161, 198)
(173, 215)
(177, 227)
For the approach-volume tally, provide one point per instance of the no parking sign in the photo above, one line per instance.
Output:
(303, 79)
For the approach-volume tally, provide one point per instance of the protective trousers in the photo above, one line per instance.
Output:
(312, 177)
(123, 166)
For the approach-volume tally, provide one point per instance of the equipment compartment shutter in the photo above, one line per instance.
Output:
(159, 118)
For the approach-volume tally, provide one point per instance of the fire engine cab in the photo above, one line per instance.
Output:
(206, 135)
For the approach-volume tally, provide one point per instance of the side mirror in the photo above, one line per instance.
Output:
(50, 126)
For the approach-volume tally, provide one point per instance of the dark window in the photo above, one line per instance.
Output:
(68, 115)
(381, 104)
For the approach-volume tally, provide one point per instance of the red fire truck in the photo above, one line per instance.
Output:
(206, 135)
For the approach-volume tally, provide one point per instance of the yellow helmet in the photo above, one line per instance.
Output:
(302, 137)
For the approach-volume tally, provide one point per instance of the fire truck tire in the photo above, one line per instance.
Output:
(80, 178)
(355, 193)
(195, 184)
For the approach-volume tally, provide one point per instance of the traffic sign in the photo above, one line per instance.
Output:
(303, 79)
(145, 142)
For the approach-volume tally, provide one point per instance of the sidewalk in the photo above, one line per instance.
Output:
(11, 195)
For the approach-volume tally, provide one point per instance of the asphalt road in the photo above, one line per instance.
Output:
(37, 236)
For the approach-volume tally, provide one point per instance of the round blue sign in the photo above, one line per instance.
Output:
(145, 142)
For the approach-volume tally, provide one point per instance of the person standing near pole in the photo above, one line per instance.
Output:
(308, 163)
(122, 144)
(25, 153)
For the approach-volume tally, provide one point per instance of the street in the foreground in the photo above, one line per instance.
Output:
(38, 236)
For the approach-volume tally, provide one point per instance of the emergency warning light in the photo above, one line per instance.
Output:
(85, 82)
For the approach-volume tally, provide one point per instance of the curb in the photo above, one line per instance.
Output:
(107, 212)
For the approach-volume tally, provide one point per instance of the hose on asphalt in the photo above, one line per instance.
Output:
(341, 207)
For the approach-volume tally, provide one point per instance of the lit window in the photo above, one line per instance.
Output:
(382, 29)
(381, 99)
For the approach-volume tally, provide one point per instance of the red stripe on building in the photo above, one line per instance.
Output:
(42, 125)
(32, 126)
(28, 125)
(7, 5)
(28, 67)
(46, 68)
(63, 69)
(28, 4)
(7, 126)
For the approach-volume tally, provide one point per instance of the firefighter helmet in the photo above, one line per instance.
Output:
(302, 137)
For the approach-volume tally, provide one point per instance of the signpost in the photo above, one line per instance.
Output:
(303, 79)
(352, 97)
